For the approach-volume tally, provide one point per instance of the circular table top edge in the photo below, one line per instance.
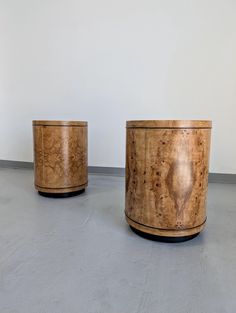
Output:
(58, 123)
(169, 124)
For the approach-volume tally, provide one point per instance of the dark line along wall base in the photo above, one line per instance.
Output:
(16, 164)
(118, 171)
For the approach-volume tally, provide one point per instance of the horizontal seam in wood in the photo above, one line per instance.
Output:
(166, 229)
(61, 187)
(154, 127)
(60, 125)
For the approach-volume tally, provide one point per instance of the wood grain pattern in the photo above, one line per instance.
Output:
(60, 123)
(60, 156)
(169, 124)
(167, 177)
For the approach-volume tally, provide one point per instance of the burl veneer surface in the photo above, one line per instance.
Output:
(60, 157)
(166, 179)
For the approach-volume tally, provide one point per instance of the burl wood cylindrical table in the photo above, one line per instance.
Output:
(167, 178)
(60, 157)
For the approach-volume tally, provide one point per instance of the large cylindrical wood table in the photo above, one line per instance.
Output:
(60, 157)
(167, 178)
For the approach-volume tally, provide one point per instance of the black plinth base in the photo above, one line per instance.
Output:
(163, 238)
(61, 195)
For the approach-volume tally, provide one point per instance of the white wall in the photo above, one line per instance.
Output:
(108, 61)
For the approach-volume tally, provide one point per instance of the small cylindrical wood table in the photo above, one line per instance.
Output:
(167, 178)
(60, 157)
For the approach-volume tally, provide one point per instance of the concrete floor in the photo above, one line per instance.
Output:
(78, 254)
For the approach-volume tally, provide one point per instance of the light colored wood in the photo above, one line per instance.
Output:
(60, 156)
(167, 177)
(164, 232)
(60, 123)
(169, 124)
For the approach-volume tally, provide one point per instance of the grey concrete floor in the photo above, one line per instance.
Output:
(78, 254)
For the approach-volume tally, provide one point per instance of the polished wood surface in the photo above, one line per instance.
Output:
(60, 156)
(167, 176)
(60, 123)
(169, 124)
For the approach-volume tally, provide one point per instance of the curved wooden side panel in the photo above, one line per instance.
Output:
(60, 158)
(166, 232)
(166, 180)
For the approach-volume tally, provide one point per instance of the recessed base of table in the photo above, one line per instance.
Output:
(61, 195)
(163, 238)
